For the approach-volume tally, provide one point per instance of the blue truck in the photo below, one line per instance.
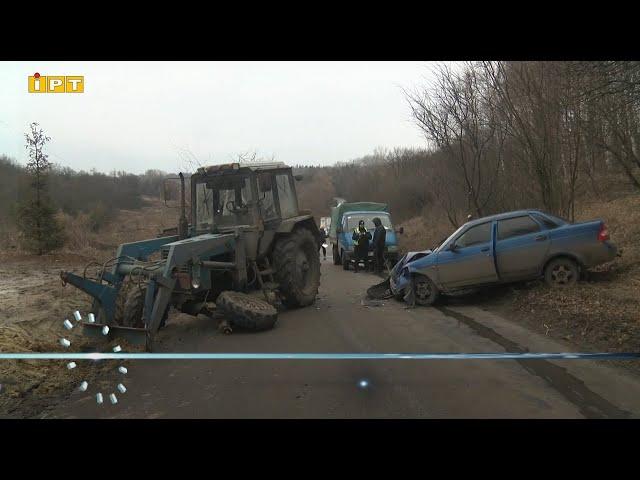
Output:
(509, 247)
(344, 220)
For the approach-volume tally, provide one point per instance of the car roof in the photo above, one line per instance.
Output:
(502, 216)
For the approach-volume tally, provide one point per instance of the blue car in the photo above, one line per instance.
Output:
(514, 246)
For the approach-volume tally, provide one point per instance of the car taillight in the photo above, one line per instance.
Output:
(603, 234)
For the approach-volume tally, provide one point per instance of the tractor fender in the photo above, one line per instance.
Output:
(305, 221)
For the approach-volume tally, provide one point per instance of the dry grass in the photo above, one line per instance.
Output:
(421, 233)
(126, 226)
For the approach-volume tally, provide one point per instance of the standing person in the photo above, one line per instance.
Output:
(323, 238)
(361, 239)
(379, 239)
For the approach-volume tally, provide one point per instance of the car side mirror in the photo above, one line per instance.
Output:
(453, 247)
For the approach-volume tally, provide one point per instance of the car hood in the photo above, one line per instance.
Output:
(408, 258)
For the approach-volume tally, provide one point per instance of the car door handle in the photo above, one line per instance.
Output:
(539, 238)
(485, 249)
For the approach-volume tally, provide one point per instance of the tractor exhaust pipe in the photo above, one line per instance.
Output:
(183, 224)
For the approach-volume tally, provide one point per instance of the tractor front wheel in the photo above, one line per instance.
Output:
(134, 306)
(297, 267)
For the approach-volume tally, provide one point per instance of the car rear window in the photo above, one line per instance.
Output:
(547, 222)
(475, 235)
(514, 227)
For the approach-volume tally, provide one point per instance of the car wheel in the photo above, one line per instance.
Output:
(561, 272)
(345, 261)
(426, 292)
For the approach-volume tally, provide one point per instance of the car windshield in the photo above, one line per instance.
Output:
(353, 220)
(223, 201)
(448, 239)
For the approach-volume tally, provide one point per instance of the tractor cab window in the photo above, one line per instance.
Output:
(204, 207)
(266, 199)
(286, 196)
(223, 202)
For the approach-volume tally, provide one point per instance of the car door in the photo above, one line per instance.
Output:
(521, 248)
(470, 260)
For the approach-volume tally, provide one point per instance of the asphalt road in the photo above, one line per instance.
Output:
(339, 322)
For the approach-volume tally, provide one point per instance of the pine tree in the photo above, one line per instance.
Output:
(40, 229)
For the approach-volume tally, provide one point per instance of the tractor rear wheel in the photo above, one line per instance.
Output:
(246, 311)
(133, 307)
(297, 267)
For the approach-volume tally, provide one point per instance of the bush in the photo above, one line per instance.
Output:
(40, 230)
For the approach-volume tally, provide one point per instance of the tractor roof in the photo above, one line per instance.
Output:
(229, 167)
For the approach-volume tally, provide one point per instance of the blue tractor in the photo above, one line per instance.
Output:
(246, 233)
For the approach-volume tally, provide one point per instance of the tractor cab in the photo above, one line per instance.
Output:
(233, 195)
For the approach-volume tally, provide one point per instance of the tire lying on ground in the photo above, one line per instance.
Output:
(247, 312)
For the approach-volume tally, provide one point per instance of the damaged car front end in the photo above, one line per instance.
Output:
(400, 283)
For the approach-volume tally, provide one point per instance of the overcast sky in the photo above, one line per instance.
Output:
(136, 116)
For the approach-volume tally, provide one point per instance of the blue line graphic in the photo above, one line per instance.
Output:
(319, 356)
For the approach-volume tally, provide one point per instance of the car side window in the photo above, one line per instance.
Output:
(547, 222)
(514, 227)
(475, 235)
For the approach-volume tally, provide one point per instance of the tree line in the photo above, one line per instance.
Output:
(31, 195)
(501, 136)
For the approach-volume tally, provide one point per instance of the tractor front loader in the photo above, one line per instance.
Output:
(246, 233)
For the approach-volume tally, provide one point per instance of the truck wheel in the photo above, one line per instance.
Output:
(426, 292)
(345, 261)
(297, 268)
(336, 256)
(561, 272)
(133, 307)
(247, 312)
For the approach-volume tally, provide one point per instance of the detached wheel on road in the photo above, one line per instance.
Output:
(297, 268)
(425, 290)
(247, 312)
(561, 272)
